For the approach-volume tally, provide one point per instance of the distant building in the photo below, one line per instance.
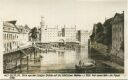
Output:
(59, 33)
(118, 35)
(23, 34)
(55, 34)
(78, 35)
(49, 34)
(10, 36)
(82, 36)
(69, 34)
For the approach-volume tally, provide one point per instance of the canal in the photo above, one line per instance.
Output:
(62, 60)
(58, 60)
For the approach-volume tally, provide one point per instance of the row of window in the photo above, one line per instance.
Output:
(115, 45)
(117, 37)
(117, 28)
(10, 36)
(9, 28)
(10, 45)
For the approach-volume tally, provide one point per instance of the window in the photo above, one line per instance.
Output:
(13, 28)
(15, 36)
(4, 36)
(10, 36)
(8, 28)
(7, 36)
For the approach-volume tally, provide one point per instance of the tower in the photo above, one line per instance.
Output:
(42, 23)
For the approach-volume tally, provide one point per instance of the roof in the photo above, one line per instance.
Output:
(23, 29)
(118, 18)
(26, 27)
(10, 24)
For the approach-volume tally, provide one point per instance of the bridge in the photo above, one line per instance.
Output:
(14, 59)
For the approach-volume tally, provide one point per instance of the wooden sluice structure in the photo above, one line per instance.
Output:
(13, 62)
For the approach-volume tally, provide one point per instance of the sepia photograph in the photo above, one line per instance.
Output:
(63, 36)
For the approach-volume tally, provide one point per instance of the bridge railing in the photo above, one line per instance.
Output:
(17, 49)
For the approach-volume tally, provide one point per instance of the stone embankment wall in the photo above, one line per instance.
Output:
(98, 51)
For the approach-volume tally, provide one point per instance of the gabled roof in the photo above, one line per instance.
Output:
(10, 24)
(22, 29)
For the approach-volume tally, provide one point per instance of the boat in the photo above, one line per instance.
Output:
(86, 66)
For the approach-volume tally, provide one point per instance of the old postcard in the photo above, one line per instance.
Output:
(63, 39)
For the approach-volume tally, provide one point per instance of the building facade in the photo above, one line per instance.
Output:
(23, 35)
(118, 36)
(14, 36)
(55, 34)
(10, 36)
(69, 34)
(49, 34)
(82, 36)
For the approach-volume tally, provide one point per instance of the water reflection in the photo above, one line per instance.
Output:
(63, 59)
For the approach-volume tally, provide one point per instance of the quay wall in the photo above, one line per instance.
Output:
(98, 51)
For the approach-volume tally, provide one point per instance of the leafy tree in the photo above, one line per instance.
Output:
(108, 32)
(99, 36)
(33, 34)
(99, 27)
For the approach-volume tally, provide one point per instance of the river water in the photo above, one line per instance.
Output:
(63, 60)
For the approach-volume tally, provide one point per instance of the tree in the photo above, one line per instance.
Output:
(99, 27)
(33, 34)
(99, 35)
(108, 31)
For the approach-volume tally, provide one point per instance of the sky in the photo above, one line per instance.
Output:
(82, 13)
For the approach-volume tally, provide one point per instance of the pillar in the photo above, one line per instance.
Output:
(34, 55)
(20, 63)
(27, 64)
(16, 64)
